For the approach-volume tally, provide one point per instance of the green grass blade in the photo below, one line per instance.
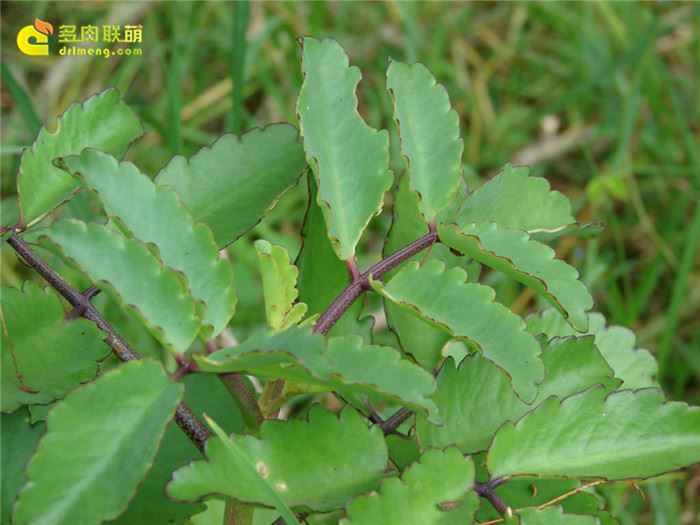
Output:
(19, 95)
(241, 11)
(242, 459)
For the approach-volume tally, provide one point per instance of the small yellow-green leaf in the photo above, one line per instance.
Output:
(349, 158)
(279, 279)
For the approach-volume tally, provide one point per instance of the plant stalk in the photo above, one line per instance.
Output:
(488, 490)
(361, 283)
(245, 399)
(184, 417)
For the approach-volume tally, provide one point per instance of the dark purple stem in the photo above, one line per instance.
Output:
(395, 421)
(361, 283)
(184, 417)
(488, 490)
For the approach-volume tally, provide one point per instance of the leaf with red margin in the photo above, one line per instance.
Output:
(102, 121)
(141, 280)
(429, 131)
(349, 158)
(529, 262)
(231, 184)
(154, 215)
(468, 311)
(627, 434)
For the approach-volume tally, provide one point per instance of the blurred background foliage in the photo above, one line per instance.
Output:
(600, 98)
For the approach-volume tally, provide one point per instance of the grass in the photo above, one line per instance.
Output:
(601, 98)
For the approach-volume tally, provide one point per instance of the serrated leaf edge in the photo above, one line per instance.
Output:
(242, 139)
(373, 429)
(148, 466)
(323, 204)
(453, 192)
(381, 288)
(318, 381)
(178, 277)
(551, 257)
(561, 401)
(44, 131)
(206, 329)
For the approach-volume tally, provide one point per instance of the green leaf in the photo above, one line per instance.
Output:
(468, 311)
(514, 200)
(403, 450)
(255, 477)
(573, 365)
(429, 130)
(154, 215)
(319, 289)
(43, 356)
(349, 158)
(636, 368)
(417, 337)
(437, 489)
(473, 401)
(529, 262)
(105, 432)
(294, 354)
(628, 434)
(549, 515)
(279, 279)
(102, 121)
(341, 364)
(231, 184)
(18, 441)
(318, 463)
(384, 371)
(149, 504)
(203, 392)
(135, 274)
